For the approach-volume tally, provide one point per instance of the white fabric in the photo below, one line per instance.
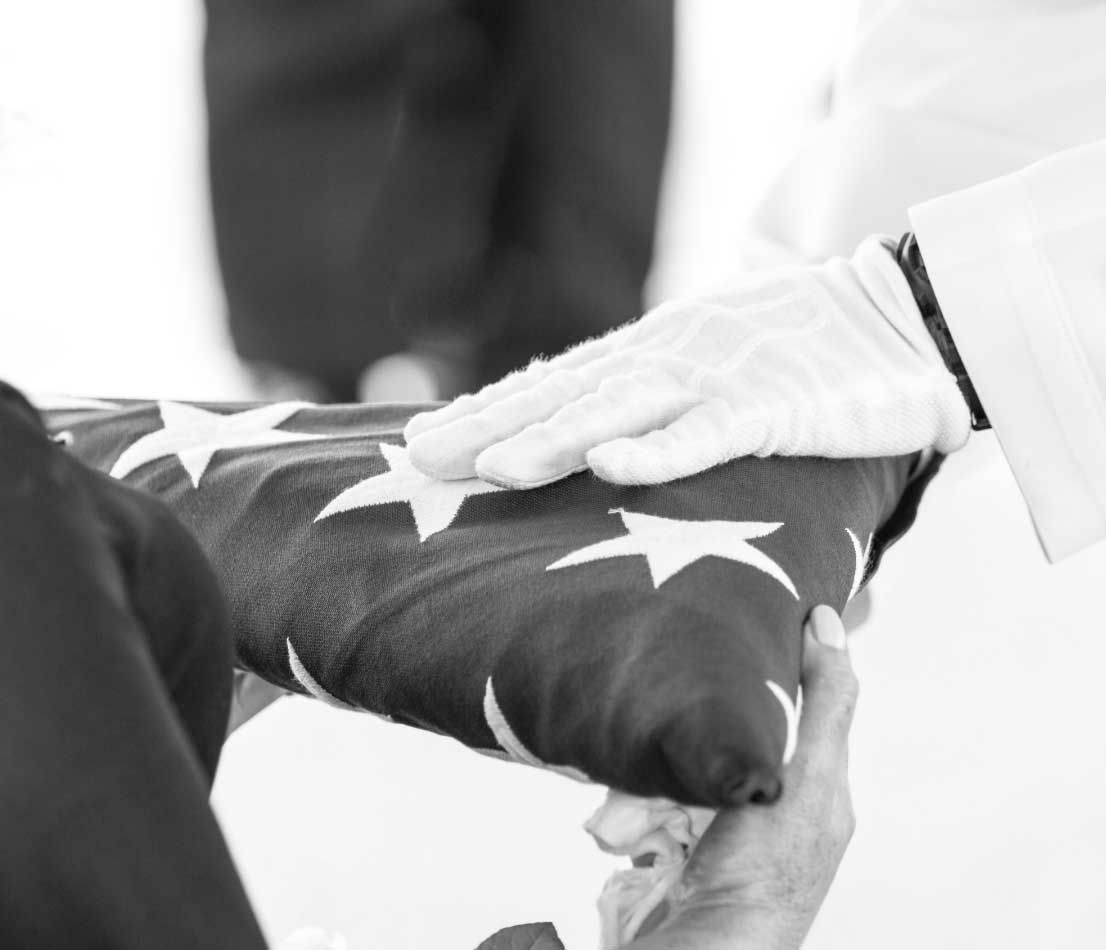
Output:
(434, 505)
(830, 360)
(1019, 265)
(671, 544)
(937, 96)
(933, 96)
(656, 830)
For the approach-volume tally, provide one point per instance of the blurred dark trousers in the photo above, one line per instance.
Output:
(390, 173)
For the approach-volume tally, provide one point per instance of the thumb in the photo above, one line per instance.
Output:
(829, 691)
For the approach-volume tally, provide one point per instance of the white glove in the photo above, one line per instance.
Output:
(831, 360)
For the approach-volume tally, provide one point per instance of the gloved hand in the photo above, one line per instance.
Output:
(831, 360)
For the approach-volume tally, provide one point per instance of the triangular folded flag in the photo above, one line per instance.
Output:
(644, 638)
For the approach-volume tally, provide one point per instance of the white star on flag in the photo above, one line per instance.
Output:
(861, 555)
(434, 504)
(791, 718)
(670, 545)
(194, 435)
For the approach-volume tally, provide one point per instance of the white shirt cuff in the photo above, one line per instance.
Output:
(1019, 268)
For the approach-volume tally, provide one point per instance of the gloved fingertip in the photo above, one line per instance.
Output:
(621, 462)
(440, 458)
(419, 423)
(512, 467)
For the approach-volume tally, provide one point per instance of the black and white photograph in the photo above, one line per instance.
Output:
(552, 474)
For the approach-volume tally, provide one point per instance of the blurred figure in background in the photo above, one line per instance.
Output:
(413, 197)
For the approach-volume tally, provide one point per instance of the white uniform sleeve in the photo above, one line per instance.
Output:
(1019, 268)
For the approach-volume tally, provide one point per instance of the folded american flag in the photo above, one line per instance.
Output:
(644, 638)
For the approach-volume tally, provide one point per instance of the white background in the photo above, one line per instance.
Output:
(978, 752)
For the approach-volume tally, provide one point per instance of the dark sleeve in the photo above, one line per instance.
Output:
(116, 655)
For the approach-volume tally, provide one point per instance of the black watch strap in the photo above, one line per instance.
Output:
(909, 256)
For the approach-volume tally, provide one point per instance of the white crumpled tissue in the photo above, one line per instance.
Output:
(641, 828)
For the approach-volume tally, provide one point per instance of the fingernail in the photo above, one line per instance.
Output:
(827, 627)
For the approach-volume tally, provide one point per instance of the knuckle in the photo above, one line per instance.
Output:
(536, 370)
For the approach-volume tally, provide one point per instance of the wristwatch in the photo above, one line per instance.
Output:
(909, 256)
